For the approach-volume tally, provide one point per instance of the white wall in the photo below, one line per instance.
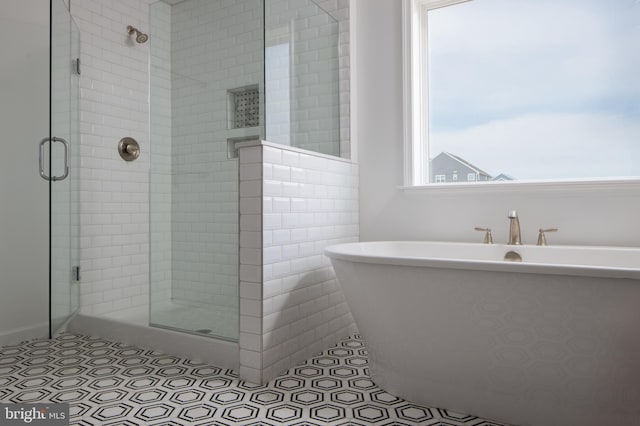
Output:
(24, 120)
(601, 217)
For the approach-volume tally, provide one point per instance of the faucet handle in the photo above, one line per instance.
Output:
(488, 238)
(542, 239)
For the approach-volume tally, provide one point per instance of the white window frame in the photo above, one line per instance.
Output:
(416, 125)
(415, 89)
(441, 178)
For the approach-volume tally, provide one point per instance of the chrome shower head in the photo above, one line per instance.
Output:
(140, 36)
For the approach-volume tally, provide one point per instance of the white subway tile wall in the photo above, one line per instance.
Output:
(251, 263)
(216, 46)
(114, 196)
(308, 203)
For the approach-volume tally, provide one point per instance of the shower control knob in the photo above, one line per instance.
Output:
(129, 149)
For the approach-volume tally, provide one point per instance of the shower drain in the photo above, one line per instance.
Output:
(204, 331)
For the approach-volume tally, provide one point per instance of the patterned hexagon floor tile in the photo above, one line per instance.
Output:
(110, 383)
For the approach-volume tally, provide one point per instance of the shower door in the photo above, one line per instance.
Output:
(60, 150)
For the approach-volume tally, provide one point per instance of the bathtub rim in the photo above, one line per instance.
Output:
(340, 251)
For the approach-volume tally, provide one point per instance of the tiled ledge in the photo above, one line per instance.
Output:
(258, 142)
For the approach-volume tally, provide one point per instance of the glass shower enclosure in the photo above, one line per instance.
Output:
(59, 160)
(206, 91)
(220, 73)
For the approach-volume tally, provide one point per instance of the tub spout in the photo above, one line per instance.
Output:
(514, 229)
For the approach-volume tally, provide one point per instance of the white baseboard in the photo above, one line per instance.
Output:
(17, 335)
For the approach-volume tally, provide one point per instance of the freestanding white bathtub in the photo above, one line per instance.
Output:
(554, 340)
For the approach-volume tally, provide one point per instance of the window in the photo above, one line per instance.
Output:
(454, 176)
(522, 91)
(471, 177)
(440, 179)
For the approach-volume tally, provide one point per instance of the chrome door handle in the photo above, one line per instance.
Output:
(66, 159)
(41, 159)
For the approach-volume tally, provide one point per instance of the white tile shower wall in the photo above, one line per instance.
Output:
(114, 196)
(309, 202)
(160, 120)
(216, 46)
(312, 91)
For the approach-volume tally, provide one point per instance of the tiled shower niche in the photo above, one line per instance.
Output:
(244, 107)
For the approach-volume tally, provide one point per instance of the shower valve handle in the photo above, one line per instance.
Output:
(129, 149)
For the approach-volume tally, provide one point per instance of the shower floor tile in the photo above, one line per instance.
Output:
(109, 383)
(219, 322)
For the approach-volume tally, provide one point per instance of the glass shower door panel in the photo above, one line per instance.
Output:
(302, 76)
(64, 138)
(198, 109)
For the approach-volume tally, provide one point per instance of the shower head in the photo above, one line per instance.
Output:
(140, 36)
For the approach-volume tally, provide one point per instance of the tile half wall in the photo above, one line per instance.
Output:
(293, 204)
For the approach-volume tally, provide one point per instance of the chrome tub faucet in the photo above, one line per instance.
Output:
(514, 229)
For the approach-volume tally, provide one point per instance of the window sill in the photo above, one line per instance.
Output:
(618, 185)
